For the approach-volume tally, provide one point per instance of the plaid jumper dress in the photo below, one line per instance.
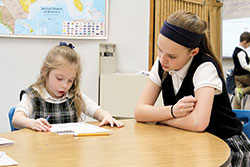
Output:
(64, 112)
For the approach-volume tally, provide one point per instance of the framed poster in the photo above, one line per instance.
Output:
(77, 19)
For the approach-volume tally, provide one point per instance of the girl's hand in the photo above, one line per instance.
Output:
(184, 106)
(111, 121)
(106, 118)
(40, 125)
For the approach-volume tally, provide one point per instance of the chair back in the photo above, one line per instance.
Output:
(244, 116)
(230, 82)
(11, 113)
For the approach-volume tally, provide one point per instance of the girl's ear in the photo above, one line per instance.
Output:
(195, 51)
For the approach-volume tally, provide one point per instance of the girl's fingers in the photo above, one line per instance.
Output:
(43, 125)
(102, 123)
(43, 128)
(45, 122)
(189, 104)
(119, 124)
(188, 99)
(112, 122)
(38, 128)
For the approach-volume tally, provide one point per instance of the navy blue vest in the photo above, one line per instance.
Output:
(223, 122)
(238, 70)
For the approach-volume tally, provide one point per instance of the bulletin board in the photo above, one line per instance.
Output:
(83, 19)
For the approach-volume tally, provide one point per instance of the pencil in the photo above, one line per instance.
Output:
(91, 134)
(48, 117)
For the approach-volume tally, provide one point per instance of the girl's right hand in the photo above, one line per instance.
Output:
(40, 125)
(184, 106)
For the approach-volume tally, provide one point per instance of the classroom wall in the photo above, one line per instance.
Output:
(21, 58)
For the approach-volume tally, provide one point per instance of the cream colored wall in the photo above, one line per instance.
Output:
(21, 58)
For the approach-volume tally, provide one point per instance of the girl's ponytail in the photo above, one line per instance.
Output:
(206, 47)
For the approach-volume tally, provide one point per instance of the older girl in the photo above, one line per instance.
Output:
(194, 92)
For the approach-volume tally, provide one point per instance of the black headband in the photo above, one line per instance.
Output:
(68, 45)
(180, 35)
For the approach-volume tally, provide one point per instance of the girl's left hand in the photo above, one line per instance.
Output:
(112, 122)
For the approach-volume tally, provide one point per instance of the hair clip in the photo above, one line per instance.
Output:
(68, 45)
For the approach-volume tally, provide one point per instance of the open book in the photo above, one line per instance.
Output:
(79, 129)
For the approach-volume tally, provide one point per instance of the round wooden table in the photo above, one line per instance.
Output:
(135, 145)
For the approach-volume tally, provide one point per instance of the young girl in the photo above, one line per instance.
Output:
(56, 97)
(194, 92)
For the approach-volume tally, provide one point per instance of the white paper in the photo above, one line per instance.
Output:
(76, 128)
(4, 141)
(5, 160)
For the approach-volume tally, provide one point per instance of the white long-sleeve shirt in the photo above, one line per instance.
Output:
(25, 104)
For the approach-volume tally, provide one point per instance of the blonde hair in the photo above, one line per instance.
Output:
(191, 22)
(53, 61)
